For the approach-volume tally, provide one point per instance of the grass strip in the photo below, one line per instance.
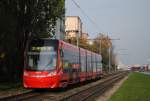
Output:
(135, 88)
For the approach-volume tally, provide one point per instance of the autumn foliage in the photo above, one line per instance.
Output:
(101, 45)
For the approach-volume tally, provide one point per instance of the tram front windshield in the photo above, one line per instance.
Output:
(42, 55)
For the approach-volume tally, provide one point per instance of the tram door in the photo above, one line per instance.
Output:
(78, 66)
(75, 66)
(65, 63)
(68, 59)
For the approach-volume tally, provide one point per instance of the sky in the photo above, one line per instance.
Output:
(127, 20)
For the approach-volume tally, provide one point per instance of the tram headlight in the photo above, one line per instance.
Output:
(25, 73)
(52, 73)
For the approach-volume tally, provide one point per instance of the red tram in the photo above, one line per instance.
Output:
(55, 63)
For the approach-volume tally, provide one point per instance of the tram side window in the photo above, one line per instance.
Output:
(98, 63)
(76, 61)
(94, 64)
(88, 63)
(101, 63)
(71, 60)
(66, 60)
(91, 61)
(83, 63)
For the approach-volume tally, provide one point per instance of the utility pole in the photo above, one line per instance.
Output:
(77, 38)
(110, 56)
(109, 64)
(109, 49)
(100, 49)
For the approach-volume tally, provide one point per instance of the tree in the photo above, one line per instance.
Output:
(106, 44)
(22, 20)
(101, 41)
(83, 43)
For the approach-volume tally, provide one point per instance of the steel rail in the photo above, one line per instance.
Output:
(103, 88)
(86, 93)
(20, 97)
(55, 96)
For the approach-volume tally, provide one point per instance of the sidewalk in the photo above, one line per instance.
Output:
(147, 73)
(7, 89)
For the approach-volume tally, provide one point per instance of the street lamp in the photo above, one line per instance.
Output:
(90, 42)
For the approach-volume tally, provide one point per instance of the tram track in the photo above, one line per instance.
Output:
(20, 97)
(83, 95)
(80, 93)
